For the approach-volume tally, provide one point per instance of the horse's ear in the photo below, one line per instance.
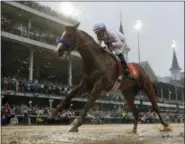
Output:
(77, 25)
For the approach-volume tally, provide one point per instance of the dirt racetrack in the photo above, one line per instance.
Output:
(93, 134)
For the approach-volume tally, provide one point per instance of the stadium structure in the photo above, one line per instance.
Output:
(28, 40)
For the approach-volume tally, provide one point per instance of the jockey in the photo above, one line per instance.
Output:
(115, 40)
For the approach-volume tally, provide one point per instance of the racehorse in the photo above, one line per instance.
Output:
(100, 72)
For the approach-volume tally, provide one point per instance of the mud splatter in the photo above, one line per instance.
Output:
(93, 134)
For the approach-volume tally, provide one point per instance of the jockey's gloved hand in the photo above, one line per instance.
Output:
(109, 44)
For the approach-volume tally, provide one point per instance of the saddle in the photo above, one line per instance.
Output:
(131, 66)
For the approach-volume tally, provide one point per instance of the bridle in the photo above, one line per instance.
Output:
(72, 45)
(67, 43)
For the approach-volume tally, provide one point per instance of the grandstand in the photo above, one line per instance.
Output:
(34, 78)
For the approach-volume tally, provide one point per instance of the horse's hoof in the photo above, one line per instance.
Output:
(73, 129)
(166, 125)
(165, 129)
(131, 131)
(134, 131)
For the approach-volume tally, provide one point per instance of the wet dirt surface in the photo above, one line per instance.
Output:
(93, 134)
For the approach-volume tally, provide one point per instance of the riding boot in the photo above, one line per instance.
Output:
(125, 66)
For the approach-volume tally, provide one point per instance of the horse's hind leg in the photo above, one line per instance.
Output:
(151, 93)
(129, 95)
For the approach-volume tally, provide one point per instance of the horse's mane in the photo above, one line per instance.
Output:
(97, 46)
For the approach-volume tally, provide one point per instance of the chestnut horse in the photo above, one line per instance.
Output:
(100, 73)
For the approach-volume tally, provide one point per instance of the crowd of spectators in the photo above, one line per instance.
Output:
(94, 114)
(49, 88)
(20, 29)
(44, 9)
(160, 100)
(44, 87)
(24, 85)
(33, 110)
(45, 111)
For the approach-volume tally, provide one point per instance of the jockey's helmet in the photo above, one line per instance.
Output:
(98, 27)
(100, 30)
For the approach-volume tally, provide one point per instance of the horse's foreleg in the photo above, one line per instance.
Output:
(94, 95)
(65, 103)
